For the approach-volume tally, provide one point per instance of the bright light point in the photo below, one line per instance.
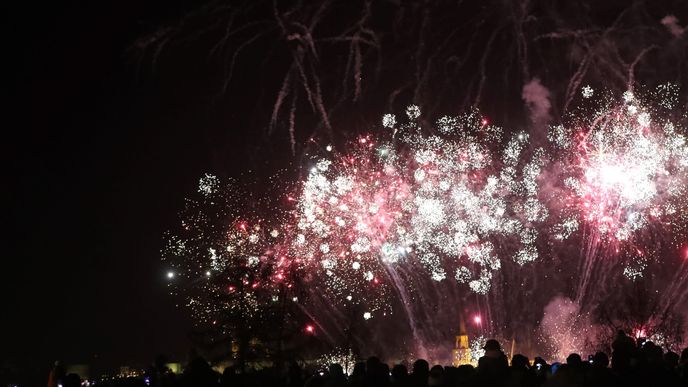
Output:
(170, 274)
(207, 273)
(328, 148)
(413, 112)
(389, 120)
(367, 315)
(477, 319)
(628, 96)
(310, 328)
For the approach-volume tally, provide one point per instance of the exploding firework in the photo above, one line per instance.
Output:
(623, 172)
(344, 358)
(631, 170)
(624, 176)
(442, 200)
(414, 207)
(416, 216)
(228, 265)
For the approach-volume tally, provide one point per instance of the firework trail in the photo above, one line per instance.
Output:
(337, 58)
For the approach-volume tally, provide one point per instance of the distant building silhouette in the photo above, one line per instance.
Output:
(461, 354)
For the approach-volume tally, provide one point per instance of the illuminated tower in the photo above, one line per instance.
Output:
(462, 352)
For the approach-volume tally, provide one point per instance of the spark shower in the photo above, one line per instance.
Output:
(412, 225)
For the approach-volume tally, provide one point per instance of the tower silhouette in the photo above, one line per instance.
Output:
(461, 354)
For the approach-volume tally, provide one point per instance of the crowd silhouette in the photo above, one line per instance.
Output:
(633, 363)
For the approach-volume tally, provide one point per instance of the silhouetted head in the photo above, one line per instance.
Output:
(72, 380)
(372, 362)
(384, 369)
(293, 371)
(671, 359)
(653, 353)
(399, 372)
(421, 367)
(492, 345)
(373, 367)
(600, 360)
(436, 377)
(539, 360)
(465, 371)
(684, 356)
(574, 360)
(359, 370)
(519, 361)
(335, 370)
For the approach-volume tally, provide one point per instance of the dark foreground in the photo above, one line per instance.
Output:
(631, 364)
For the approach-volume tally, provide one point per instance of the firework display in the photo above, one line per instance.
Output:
(624, 177)
(224, 259)
(443, 200)
(414, 207)
(629, 169)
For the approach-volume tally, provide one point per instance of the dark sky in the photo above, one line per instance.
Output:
(102, 150)
(101, 158)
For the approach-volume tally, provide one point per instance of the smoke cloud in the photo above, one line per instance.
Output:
(565, 328)
(536, 97)
(671, 23)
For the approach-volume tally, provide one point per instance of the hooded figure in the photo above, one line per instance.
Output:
(493, 367)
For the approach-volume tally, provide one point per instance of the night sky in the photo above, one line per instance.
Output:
(101, 156)
(103, 147)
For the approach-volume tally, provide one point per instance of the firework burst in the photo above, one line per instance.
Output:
(441, 200)
(626, 177)
(416, 215)
(224, 261)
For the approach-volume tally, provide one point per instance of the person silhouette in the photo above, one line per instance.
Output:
(493, 367)
(400, 375)
(420, 373)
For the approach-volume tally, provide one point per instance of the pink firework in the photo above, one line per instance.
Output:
(630, 171)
